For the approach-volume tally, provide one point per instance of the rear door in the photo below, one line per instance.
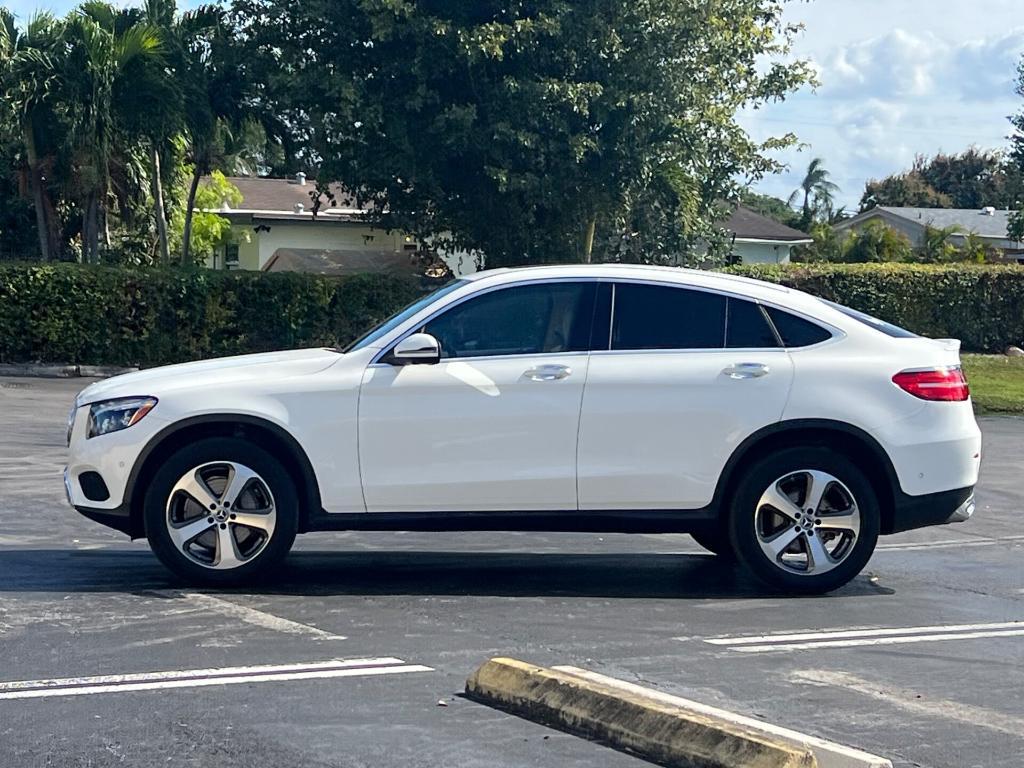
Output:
(686, 376)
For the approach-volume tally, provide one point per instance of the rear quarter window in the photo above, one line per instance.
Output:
(795, 331)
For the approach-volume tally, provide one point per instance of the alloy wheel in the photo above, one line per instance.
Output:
(221, 515)
(807, 522)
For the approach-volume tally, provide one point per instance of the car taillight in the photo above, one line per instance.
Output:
(935, 384)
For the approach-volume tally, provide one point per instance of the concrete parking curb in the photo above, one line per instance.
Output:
(63, 371)
(656, 730)
(829, 754)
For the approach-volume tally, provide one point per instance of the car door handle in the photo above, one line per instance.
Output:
(548, 372)
(746, 371)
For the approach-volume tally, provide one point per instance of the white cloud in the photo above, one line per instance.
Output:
(941, 77)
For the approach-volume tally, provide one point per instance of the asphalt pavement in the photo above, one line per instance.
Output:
(356, 653)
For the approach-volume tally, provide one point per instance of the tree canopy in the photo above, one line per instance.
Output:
(974, 178)
(532, 131)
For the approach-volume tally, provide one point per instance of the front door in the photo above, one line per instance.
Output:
(493, 425)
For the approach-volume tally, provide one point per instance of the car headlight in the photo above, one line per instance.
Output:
(115, 415)
(71, 420)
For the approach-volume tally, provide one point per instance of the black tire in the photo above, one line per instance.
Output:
(715, 542)
(212, 450)
(762, 475)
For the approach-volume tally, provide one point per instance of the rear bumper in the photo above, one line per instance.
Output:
(912, 512)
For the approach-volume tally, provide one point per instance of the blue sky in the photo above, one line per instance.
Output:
(899, 77)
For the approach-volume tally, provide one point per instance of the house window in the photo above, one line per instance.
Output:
(231, 256)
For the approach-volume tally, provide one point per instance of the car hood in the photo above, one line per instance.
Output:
(206, 373)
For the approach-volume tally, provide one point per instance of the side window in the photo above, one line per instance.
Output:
(524, 320)
(795, 331)
(747, 327)
(662, 317)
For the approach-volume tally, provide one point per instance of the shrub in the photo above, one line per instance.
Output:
(982, 305)
(123, 316)
(67, 313)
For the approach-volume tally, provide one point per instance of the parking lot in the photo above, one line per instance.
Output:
(355, 655)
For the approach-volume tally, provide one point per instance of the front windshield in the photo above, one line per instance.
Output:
(400, 317)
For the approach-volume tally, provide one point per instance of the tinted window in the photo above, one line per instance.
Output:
(747, 327)
(660, 317)
(529, 319)
(879, 325)
(795, 331)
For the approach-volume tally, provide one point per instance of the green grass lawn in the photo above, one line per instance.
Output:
(997, 382)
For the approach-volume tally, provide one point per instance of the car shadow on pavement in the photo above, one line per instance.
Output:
(415, 572)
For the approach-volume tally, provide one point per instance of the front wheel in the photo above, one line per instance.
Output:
(805, 520)
(221, 511)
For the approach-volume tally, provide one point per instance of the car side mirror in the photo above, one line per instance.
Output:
(419, 348)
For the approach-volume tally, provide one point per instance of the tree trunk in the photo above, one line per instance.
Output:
(158, 204)
(91, 230)
(186, 239)
(588, 239)
(35, 179)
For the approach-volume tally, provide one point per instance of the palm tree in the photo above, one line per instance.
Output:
(29, 71)
(937, 246)
(817, 191)
(105, 48)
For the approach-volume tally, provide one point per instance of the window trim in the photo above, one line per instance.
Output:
(837, 332)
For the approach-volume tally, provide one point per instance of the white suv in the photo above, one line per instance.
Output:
(771, 425)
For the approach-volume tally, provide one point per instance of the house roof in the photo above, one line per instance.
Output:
(965, 219)
(280, 198)
(748, 225)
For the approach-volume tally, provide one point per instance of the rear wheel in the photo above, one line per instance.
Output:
(221, 511)
(805, 520)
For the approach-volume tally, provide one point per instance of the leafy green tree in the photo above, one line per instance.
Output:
(907, 190)
(817, 192)
(103, 63)
(30, 71)
(772, 207)
(974, 178)
(215, 92)
(876, 242)
(540, 131)
(209, 231)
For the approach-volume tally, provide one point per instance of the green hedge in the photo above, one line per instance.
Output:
(118, 316)
(66, 313)
(982, 305)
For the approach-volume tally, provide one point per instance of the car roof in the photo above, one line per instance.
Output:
(760, 290)
(680, 275)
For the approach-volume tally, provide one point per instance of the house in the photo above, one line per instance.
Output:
(989, 224)
(275, 229)
(756, 239)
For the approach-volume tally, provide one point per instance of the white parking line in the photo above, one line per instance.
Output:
(194, 678)
(911, 701)
(852, 638)
(253, 616)
(949, 544)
